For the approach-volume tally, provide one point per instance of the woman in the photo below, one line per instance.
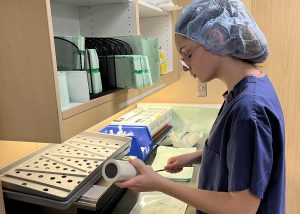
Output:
(243, 161)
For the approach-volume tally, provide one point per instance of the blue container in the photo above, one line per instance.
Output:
(141, 144)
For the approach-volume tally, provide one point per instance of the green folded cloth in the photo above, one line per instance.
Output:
(92, 64)
(158, 202)
(147, 47)
(163, 154)
(138, 72)
(63, 88)
(132, 71)
(147, 71)
(150, 47)
(124, 66)
(79, 41)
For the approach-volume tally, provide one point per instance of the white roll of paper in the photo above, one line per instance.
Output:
(117, 170)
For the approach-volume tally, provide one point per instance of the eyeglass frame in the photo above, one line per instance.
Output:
(183, 59)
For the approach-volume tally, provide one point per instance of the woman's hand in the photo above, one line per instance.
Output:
(176, 163)
(146, 180)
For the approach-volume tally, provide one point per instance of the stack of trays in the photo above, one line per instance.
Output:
(60, 175)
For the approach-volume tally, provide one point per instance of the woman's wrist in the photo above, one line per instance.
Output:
(163, 185)
(197, 156)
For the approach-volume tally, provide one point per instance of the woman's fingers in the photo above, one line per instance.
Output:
(173, 165)
(171, 160)
(138, 165)
(175, 170)
(127, 183)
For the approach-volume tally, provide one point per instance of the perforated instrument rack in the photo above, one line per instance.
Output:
(58, 176)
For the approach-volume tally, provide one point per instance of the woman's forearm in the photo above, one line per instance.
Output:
(211, 201)
(197, 156)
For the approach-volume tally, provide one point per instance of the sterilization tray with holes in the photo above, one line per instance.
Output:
(64, 172)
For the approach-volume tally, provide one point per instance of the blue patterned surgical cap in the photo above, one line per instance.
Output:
(225, 28)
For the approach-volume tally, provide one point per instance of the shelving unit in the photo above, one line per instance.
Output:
(30, 106)
(148, 10)
(89, 2)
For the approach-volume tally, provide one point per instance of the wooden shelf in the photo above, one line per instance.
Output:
(84, 116)
(148, 10)
(89, 2)
(93, 103)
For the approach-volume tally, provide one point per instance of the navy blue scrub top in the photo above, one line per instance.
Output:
(245, 147)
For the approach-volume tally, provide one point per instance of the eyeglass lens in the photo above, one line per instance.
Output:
(184, 64)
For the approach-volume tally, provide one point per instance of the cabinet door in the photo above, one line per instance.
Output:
(29, 107)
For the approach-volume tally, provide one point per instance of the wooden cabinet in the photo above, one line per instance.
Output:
(29, 96)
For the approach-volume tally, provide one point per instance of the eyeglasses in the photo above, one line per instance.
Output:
(189, 55)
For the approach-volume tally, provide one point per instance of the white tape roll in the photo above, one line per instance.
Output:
(117, 170)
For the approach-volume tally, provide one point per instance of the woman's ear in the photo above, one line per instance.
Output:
(215, 38)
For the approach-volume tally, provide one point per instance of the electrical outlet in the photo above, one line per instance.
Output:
(202, 90)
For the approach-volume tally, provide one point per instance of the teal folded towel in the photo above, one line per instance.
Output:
(92, 64)
(79, 41)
